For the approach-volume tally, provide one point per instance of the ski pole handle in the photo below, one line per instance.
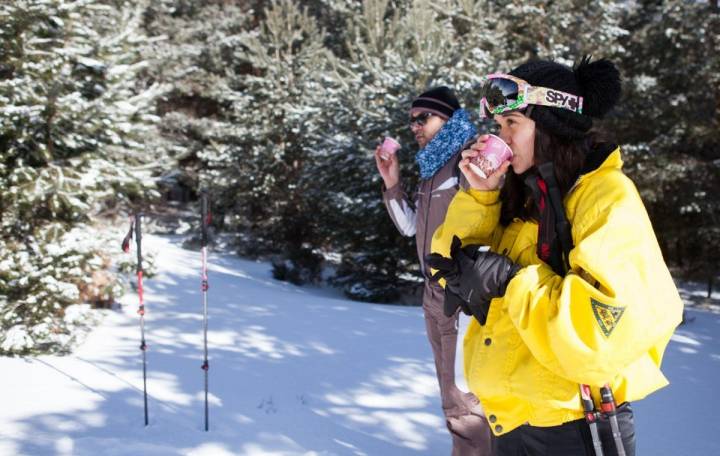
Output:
(607, 404)
(139, 268)
(138, 241)
(591, 417)
(591, 414)
(609, 408)
(204, 215)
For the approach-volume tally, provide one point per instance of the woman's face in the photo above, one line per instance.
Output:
(518, 132)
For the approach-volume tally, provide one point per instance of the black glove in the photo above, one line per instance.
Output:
(450, 268)
(454, 302)
(476, 277)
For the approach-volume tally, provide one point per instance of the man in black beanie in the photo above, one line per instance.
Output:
(440, 128)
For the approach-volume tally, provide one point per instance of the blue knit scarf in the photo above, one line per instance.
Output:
(446, 143)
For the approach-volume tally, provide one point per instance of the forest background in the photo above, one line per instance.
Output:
(109, 107)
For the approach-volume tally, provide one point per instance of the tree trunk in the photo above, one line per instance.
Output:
(678, 252)
(710, 278)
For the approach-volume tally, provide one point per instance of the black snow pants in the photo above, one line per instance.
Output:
(569, 439)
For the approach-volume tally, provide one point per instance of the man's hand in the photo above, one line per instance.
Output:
(389, 169)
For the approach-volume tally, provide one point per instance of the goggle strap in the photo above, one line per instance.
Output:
(543, 96)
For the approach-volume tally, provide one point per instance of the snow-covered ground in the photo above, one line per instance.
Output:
(292, 371)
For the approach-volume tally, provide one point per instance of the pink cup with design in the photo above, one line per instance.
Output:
(389, 147)
(495, 153)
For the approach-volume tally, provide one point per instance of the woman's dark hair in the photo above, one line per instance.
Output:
(567, 156)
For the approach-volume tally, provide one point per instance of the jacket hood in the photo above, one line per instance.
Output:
(597, 157)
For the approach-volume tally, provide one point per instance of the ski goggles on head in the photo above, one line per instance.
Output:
(502, 93)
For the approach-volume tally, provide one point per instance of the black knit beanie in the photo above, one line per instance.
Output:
(597, 82)
(438, 100)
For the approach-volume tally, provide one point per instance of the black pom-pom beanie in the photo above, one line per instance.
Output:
(597, 82)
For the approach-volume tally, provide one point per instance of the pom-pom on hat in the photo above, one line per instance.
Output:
(597, 82)
(439, 100)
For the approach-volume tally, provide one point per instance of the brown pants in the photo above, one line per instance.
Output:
(464, 417)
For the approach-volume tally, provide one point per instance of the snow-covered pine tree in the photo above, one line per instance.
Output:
(670, 119)
(256, 167)
(242, 101)
(72, 127)
(189, 37)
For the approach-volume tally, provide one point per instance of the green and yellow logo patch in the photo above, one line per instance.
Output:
(606, 316)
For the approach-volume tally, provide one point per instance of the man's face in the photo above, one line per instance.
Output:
(425, 126)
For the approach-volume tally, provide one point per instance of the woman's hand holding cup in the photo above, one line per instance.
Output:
(469, 160)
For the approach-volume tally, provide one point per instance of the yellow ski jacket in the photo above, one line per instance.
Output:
(607, 321)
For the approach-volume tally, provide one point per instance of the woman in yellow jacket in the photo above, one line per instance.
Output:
(573, 289)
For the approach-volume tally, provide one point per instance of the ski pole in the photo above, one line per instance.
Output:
(141, 309)
(591, 416)
(205, 214)
(609, 408)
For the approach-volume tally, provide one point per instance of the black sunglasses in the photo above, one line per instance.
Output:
(421, 119)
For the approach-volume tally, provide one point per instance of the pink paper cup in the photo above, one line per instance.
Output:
(388, 148)
(495, 153)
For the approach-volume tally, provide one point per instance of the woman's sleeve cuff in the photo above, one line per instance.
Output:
(486, 197)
